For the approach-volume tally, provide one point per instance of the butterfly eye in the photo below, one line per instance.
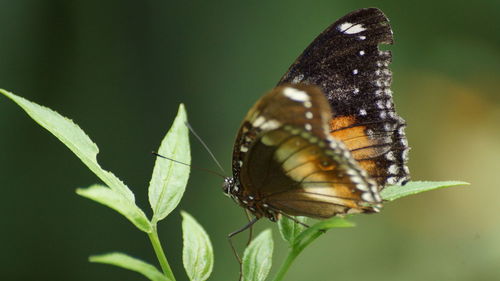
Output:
(227, 185)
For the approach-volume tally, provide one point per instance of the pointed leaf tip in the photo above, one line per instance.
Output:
(394, 192)
(71, 135)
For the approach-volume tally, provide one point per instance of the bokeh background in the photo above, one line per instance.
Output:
(119, 69)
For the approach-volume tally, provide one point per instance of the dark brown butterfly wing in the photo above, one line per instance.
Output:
(285, 159)
(346, 63)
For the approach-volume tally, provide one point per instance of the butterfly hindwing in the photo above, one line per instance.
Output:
(286, 159)
(346, 63)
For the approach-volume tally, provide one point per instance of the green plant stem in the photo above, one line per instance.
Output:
(286, 264)
(155, 241)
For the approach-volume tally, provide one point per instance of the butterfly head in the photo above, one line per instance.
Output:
(228, 186)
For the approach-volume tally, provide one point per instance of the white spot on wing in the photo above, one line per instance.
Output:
(404, 155)
(380, 104)
(259, 121)
(349, 28)
(298, 79)
(367, 197)
(309, 115)
(308, 127)
(362, 112)
(270, 125)
(401, 131)
(390, 156)
(393, 169)
(296, 95)
(405, 168)
(388, 127)
(392, 180)
(362, 187)
(355, 71)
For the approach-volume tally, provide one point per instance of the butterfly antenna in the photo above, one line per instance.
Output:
(250, 230)
(192, 166)
(206, 147)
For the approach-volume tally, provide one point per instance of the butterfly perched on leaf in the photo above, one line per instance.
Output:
(327, 139)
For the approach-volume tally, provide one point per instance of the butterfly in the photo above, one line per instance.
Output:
(327, 138)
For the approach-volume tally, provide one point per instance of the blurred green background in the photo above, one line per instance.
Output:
(119, 69)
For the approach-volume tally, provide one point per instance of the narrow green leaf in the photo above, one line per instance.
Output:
(130, 263)
(197, 253)
(309, 235)
(290, 229)
(394, 192)
(117, 202)
(257, 258)
(74, 138)
(169, 178)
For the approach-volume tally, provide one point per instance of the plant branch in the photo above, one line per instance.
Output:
(162, 259)
(292, 254)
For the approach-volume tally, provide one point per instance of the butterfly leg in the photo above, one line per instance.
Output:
(232, 234)
(250, 231)
(294, 219)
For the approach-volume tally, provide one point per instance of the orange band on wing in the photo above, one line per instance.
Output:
(354, 137)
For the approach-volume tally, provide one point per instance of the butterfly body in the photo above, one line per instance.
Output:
(327, 138)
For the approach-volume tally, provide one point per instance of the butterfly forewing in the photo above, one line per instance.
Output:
(286, 159)
(327, 138)
(346, 63)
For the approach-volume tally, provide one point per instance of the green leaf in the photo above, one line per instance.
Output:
(257, 258)
(117, 202)
(394, 192)
(309, 235)
(74, 138)
(290, 229)
(130, 263)
(197, 253)
(170, 178)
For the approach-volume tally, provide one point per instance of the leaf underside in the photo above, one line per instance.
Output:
(130, 263)
(82, 146)
(394, 192)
